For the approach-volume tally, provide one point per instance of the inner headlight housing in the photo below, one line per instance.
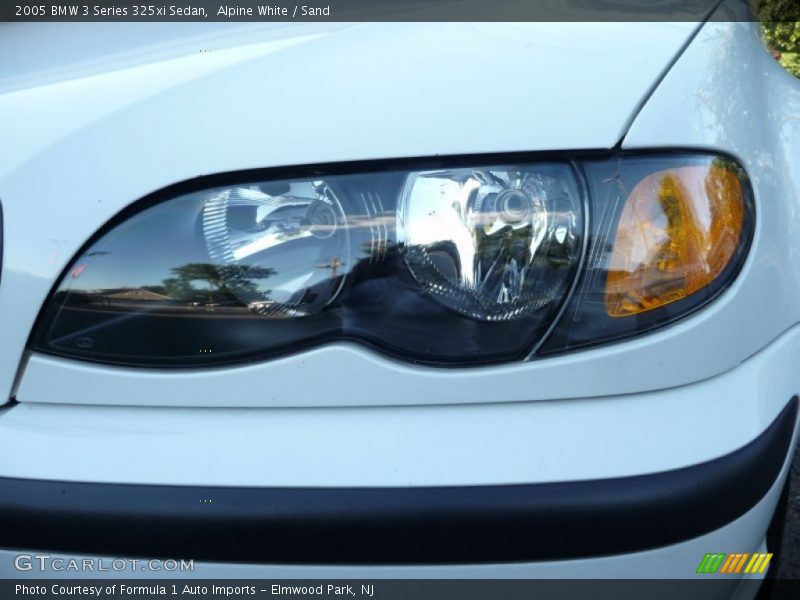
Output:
(446, 262)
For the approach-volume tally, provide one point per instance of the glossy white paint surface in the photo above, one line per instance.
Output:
(726, 92)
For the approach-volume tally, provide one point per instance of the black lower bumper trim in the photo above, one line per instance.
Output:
(429, 525)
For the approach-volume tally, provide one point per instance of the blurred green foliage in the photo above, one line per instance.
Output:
(781, 33)
(791, 60)
(784, 38)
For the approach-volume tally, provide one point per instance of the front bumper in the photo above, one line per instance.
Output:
(392, 526)
(502, 492)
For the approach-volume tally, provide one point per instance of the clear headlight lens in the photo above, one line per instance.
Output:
(453, 264)
(492, 244)
(299, 225)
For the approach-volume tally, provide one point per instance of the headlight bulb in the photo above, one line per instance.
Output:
(480, 240)
(297, 232)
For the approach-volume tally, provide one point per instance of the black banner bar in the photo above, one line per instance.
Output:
(392, 589)
(396, 10)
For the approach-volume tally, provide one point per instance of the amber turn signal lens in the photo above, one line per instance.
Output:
(678, 230)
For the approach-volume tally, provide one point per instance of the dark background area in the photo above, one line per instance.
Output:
(788, 562)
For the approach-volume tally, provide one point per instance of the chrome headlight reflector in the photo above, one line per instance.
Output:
(249, 230)
(492, 244)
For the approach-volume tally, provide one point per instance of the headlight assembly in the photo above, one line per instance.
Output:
(448, 263)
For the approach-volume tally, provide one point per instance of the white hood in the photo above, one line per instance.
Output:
(213, 97)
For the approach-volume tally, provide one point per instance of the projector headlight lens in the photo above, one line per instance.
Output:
(252, 229)
(447, 263)
(492, 244)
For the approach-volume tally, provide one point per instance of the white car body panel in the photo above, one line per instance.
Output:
(690, 392)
